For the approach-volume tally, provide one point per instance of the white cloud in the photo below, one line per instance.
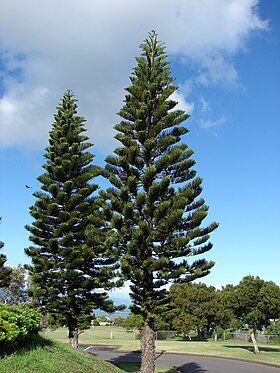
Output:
(206, 120)
(121, 295)
(49, 46)
(18, 121)
(204, 105)
(123, 291)
(217, 70)
(209, 123)
(218, 287)
(182, 103)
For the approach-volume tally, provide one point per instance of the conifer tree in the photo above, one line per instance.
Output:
(155, 194)
(5, 272)
(70, 263)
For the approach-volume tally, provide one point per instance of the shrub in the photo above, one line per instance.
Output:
(273, 328)
(17, 323)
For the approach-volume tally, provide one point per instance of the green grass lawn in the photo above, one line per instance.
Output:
(125, 342)
(48, 356)
(51, 356)
(43, 355)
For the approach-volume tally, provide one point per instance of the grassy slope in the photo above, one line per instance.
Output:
(48, 356)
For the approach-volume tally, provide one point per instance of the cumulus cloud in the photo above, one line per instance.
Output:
(182, 103)
(49, 46)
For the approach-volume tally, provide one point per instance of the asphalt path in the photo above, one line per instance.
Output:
(183, 362)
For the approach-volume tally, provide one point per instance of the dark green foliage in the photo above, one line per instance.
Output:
(4, 271)
(253, 301)
(69, 258)
(133, 321)
(155, 195)
(196, 307)
(17, 323)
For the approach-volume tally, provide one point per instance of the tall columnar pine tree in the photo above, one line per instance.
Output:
(155, 194)
(70, 263)
(5, 272)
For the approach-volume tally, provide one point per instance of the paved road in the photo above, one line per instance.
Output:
(184, 363)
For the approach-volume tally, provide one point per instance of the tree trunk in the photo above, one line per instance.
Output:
(256, 349)
(73, 334)
(148, 349)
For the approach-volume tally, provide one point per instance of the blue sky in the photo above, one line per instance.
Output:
(225, 55)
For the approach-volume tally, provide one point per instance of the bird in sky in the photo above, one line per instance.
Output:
(27, 186)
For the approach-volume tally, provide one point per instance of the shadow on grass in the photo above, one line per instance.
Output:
(26, 345)
(251, 348)
(186, 340)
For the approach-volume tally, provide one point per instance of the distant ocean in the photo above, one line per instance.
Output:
(123, 314)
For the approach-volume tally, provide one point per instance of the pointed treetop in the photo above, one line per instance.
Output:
(153, 48)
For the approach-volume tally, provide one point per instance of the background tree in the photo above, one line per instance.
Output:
(196, 307)
(70, 263)
(16, 292)
(4, 271)
(227, 316)
(254, 302)
(155, 193)
(133, 321)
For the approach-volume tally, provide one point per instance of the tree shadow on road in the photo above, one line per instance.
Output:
(186, 368)
(130, 362)
(191, 368)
